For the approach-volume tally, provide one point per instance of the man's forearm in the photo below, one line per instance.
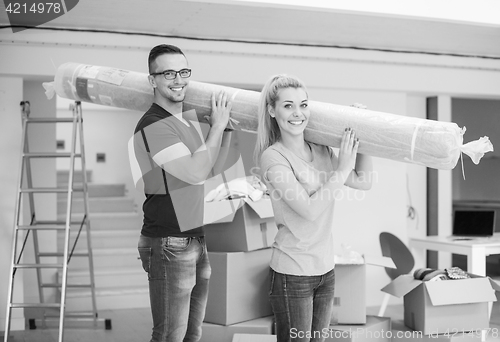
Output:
(223, 153)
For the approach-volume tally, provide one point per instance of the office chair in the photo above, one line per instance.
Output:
(394, 248)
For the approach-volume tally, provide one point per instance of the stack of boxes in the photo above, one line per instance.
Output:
(238, 242)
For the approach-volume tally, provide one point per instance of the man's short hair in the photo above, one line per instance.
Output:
(162, 50)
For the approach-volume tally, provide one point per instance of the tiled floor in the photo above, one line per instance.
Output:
(133, 325)
(126, 325)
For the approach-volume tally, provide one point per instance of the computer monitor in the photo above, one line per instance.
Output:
(474, 223)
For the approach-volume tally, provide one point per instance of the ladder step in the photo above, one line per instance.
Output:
(67, 314)
(57, 223)
(38, 265)
(49, 120)
(51, 155)
(43, 227)
(48, 190)
(35, 305)
(81, 254)
(47, 285)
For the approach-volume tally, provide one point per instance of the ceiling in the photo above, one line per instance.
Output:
(281, 25)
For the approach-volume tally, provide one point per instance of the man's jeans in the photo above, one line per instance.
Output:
(302, 305)
(178, 273)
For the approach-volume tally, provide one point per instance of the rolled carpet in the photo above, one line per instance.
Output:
(431, 143)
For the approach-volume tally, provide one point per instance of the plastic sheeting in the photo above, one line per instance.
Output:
(431, 143)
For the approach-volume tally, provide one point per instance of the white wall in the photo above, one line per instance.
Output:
(106, 130)
(416, 194)
(396, 83)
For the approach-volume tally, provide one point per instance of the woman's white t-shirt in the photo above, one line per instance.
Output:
(301, 247)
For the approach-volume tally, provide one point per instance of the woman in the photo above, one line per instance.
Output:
(303, 179)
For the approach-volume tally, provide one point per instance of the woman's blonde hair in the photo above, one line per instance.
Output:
(268, 131)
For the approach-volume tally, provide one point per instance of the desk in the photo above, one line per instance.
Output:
(476, 250)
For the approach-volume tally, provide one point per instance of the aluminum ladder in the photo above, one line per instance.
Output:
(52, 311)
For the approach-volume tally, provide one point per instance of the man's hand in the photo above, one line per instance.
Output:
(221, 108)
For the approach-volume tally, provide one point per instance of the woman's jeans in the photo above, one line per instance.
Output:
(178, 272)
(302, 306)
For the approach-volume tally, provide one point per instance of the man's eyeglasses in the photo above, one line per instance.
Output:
(172, 74)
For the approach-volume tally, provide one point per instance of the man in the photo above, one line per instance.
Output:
(175, 160)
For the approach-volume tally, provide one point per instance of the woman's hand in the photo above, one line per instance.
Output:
(348, 150)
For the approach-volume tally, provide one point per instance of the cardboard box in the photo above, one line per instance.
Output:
(241, 225)
(438, 307)
(221, 211)
(401, 333)
(349, 306)
(376, 329)
(239, 287)
(225, 333)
